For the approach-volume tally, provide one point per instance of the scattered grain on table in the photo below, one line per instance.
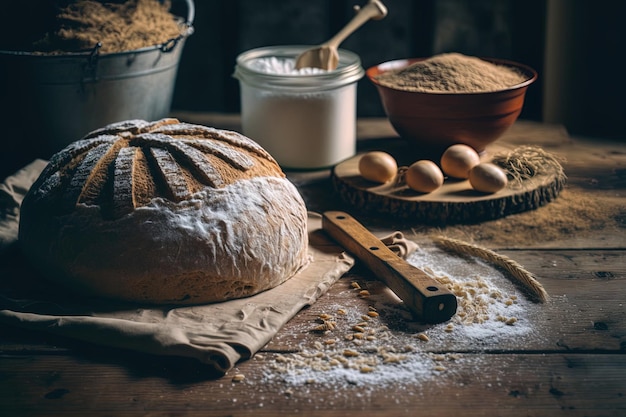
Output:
(573, 213)
(367, 354)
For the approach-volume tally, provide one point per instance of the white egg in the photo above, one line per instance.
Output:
(458, 159)
(378, 166)
(487, 178)
(423, 176)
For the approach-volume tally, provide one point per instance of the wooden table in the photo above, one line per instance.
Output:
(571, 362)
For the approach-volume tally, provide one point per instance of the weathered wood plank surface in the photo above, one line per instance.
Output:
(572, 362)
(586, 309)
(504, 384)
(564, 357)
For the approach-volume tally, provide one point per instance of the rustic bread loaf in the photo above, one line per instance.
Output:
(165, 212)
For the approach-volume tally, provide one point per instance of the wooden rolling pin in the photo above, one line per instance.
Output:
(425, 297)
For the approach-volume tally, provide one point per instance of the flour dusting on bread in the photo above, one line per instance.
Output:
(165, 212)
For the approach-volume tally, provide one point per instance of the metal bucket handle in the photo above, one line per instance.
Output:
(191, 12)
(170, 44)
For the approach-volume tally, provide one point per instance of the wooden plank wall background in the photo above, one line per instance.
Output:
(509, 29)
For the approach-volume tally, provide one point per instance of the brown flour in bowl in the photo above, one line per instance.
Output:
(452, 73)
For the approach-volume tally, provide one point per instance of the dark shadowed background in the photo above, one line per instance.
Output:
(569, 42)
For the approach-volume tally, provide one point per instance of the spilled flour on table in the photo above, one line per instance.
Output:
(380, 343)
(490, 308)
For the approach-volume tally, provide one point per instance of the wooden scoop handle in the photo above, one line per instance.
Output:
(374, 9)
(425, 297)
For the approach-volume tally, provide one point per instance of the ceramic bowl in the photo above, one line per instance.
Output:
(438, 120)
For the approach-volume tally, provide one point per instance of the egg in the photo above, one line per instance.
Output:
(423, 176)
(487, 178)
(458, 159)
(378, 166)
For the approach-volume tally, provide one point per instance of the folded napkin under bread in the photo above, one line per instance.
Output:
(218, 335)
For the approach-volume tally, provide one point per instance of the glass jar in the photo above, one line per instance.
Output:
(305, 121)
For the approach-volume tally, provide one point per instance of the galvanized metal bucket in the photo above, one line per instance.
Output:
(49, 101)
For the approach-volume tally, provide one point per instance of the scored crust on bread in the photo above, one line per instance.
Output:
(164, 212)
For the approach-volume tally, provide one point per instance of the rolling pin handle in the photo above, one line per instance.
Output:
(421, 294)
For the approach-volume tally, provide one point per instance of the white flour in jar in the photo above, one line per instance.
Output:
(281, 66)
(302, 130)
(306, 119)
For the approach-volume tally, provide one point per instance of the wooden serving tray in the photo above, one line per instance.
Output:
(455, 202)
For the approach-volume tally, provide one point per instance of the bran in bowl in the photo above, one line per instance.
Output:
(451, 98)
(452, 73)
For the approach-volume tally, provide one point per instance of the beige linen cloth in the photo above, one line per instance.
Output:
(219, 335)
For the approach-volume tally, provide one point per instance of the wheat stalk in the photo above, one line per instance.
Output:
(526, 162)
(509, 265)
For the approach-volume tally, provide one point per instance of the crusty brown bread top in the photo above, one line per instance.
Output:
(125, 165)
(164, 213)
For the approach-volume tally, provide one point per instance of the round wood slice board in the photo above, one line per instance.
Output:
(455, 202)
